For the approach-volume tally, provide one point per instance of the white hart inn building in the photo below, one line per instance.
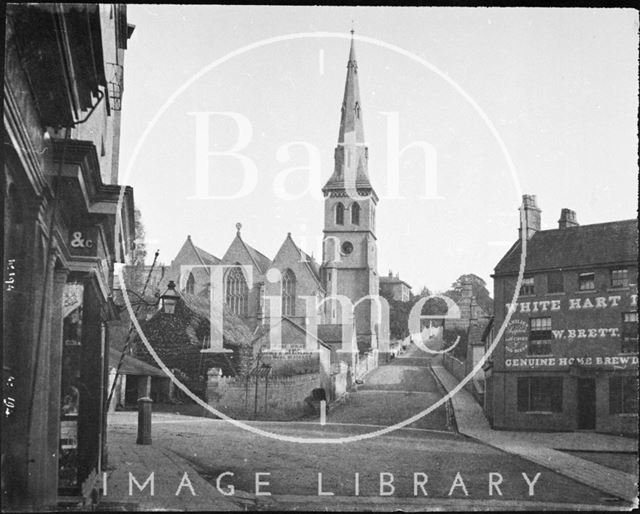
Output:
(569, 355)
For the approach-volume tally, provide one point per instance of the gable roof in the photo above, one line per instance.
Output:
(582, 245)
(132, 366)
(309, 262)
(260, 261)
(392, 280)
(206, 257)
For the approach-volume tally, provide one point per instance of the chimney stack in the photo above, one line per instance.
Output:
(567, 219)
(467, 290)
(531, 216)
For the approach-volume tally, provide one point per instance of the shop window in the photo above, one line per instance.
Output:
(555, 282)
(629, 332)
(586, 281)
(527, 286)
(540, 394)
(540, 336)
(619, 278)
(71, 386)
(623, 395)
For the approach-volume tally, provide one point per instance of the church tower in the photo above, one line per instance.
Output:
(349, 248)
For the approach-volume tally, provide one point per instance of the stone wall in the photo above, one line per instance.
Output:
(460, 369)
(278, 398)
(366, 363)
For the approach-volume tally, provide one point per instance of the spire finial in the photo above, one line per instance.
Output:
(352, 30)
(238, 227)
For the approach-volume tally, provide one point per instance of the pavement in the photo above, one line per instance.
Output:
(129, 463)
(185, 444)
(180, 484)
(394, 392)
(543, 448)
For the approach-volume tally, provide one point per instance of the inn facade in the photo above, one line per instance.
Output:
(67, 222)
(568, 359)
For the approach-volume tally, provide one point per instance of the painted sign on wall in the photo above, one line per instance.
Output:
(83, 241)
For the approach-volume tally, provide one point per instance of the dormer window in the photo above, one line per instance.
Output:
(586, 281)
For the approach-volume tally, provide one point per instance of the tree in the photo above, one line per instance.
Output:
(479, 290)
(140, 250)
(399, 311)
(398, 316)
(135, 275)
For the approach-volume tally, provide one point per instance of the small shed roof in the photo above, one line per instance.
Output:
(132, 366)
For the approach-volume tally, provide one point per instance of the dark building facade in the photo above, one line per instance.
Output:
(568, 359)
(66, 223)
(395, 288)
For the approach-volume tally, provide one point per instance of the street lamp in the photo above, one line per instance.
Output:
(170, 298)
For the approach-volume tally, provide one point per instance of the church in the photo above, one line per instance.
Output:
(349, 255)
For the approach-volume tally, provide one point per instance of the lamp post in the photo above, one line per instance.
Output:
(169, 300)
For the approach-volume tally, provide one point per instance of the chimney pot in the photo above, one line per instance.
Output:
(531, 216)
(567, 219)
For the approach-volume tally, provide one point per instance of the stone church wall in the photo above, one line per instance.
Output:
(237, 253)
(288, 257)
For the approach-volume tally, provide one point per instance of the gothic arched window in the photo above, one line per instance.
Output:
(339, 214)
(355, 214)
(191, 284)
(288, 293)
(237, 292)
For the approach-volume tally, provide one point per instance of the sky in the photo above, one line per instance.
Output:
(490, 104)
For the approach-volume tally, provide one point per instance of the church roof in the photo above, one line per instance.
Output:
(262, 261)
(309, 261)
(206, 257)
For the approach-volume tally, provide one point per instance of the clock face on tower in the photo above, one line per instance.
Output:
(346, 248)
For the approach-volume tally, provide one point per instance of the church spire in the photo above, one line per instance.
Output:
(351, 155)
(351, 128)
